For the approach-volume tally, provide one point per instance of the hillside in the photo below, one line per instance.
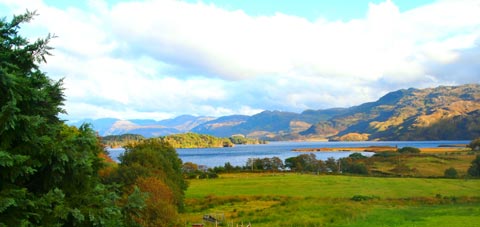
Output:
(145, 127)
(185, 123)
(446, 112)
(267, 124)
(222, 126)
(271, 125)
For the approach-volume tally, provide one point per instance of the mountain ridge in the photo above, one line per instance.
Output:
(406, 111)
(405, 114)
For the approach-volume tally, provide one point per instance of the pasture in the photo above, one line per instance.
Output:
(288, 199)
(431, 163)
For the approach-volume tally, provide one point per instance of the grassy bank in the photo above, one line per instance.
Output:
(327, 200)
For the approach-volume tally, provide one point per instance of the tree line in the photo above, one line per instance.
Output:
(355, 163)
(116, 141)
(304, 163)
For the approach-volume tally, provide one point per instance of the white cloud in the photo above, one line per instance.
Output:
(160, 58)
(233, 45)
(76, 111)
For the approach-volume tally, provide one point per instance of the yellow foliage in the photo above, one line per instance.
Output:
(160, 209)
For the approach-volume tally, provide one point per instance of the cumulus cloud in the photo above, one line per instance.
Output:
(233, 45)
(161, 58)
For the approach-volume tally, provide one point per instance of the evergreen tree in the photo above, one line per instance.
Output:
(48, 170)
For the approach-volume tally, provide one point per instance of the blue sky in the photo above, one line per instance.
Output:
(310, 9)
(158, 59)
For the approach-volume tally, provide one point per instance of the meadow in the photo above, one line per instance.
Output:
(290, 199)
(431, 162)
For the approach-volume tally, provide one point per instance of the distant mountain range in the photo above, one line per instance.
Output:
(446, 112)
(145, 127)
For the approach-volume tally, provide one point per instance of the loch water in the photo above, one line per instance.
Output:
(239, 154)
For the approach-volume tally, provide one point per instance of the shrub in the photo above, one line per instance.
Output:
(474, 169)
(451, 173)
(349, 166)
(357, 155)
(212, 175)
(409, 150)
(475, 144)
(359, 168)
(363, 197)
(385, 154)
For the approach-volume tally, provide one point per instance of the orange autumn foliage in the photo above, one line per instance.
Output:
(160, 207)
(109, 165)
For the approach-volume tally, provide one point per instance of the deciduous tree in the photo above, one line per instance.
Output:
(153, 167)
(474, 169)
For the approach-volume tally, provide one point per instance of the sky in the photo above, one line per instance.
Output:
(157, 59)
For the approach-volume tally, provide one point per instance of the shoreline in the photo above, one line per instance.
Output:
(360, 149)
(377, 149)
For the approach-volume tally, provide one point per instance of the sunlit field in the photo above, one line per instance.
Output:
(277, 199)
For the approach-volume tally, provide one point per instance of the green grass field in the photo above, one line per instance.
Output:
(326, 200)
(425, 165)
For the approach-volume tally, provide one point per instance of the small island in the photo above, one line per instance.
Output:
(183, 140)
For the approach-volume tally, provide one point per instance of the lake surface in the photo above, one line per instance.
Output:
(239, 154)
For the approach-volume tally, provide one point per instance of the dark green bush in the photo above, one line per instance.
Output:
(474, 169)
(475, 144)
(363, 197)
(385, 154)
(357, 155)
(408, 150)
(451, 173)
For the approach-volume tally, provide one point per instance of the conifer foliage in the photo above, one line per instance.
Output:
(48, 170)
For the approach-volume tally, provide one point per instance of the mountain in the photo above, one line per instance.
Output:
(100, 125)
(222, 126)
(143, 121)
(446, 112)
(144, 127)
(456, 128)
(265, 125)
(185, 123)
(273, 125)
